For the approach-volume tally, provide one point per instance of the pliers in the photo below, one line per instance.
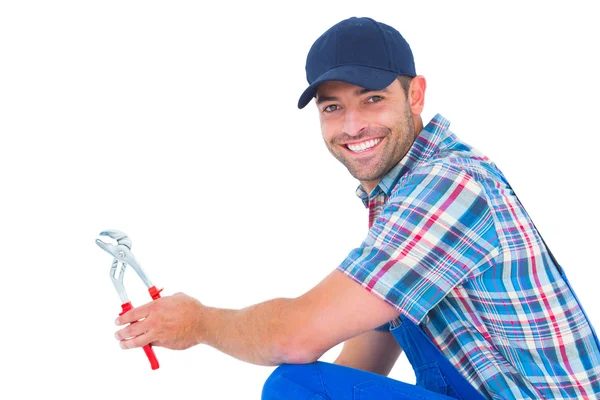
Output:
(122, 254)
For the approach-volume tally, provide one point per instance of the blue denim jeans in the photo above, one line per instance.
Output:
(437, 379)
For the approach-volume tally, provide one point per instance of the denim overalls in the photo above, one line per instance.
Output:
(433, 370)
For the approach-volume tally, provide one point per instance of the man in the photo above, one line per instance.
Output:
(452, 271)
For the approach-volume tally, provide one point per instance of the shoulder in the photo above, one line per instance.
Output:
(439, 177)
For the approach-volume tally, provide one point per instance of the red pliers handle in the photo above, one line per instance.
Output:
(155, 293)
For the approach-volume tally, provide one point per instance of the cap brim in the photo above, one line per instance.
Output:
(366, 77)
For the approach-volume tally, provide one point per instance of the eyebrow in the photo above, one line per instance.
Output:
(357, 92)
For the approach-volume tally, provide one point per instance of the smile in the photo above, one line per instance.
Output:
(363, 146)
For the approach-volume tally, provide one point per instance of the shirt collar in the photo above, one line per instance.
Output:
(424, 146)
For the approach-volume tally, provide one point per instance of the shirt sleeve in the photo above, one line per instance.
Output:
(435, 231)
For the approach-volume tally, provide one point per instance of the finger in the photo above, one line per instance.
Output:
(138, 341)
(135, 314)
(132, 330)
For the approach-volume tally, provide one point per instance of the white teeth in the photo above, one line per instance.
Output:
(357, 148)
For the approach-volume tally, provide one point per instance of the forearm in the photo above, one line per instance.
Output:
(257, 334)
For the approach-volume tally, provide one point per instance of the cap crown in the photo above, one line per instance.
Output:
(361, 42)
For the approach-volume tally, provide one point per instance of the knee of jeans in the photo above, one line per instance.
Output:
(279, 386)
(288, 369)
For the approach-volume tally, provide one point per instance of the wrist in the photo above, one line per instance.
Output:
(202, 319)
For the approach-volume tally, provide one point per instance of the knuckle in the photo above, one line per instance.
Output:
(150, 323)
(155, 306)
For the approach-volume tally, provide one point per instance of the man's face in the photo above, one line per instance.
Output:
(367, 131)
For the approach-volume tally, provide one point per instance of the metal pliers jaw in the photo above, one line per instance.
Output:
(122, 254)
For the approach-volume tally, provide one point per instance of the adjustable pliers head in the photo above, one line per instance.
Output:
(122, 252)
(121, 238)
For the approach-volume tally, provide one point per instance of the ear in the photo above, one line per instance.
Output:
(416, 94)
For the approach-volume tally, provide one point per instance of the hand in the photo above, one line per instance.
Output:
(173, 322)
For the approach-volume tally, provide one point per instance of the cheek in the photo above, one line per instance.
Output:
(392, 120)
(384, 116)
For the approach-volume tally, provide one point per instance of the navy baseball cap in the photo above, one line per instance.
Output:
(360, 51)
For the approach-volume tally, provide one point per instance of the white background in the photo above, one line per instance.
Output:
(176, 123)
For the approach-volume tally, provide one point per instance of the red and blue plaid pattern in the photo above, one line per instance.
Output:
(452, 248)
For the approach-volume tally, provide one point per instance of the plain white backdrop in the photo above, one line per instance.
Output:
(176, 122)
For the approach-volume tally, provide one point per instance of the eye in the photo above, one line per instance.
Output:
(331, 108)
(374, 99)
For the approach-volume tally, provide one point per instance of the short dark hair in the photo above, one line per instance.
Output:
(405, 82)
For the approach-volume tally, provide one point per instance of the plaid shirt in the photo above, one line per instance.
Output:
(451, 247)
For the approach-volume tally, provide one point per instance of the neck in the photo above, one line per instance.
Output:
(418, 123)
(368, 186)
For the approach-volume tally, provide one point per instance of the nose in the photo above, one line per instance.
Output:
(354, 122)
